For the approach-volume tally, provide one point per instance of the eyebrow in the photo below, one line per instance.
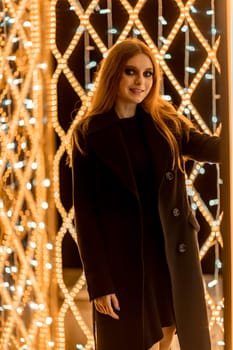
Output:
(132, 66)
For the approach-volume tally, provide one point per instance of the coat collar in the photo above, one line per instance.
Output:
(106, 140)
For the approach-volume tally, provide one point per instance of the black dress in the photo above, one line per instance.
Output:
(158, 309)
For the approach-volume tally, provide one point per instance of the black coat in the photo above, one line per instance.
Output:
(108, 221)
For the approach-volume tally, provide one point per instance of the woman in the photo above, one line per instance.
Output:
(136, 233)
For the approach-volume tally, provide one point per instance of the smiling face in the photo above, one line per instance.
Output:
(135, 83)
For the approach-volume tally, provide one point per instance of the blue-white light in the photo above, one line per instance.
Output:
(193, 9)
(213, 31)
(80, 29)
(90, 86)
(91, 64)
(29, 103)
(218, 263)
(136, 31)
(7, 102)
(213, 202)
(209, 76)
(194, 206)
(167, 97)
(212, 283)
(104, 11)
(167, 56)
(163, 40)
(190, 48)
(162, 20)
(202, 171)
(184, 28)
(190, 69)
(112, 31)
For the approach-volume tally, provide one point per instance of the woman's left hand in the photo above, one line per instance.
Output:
(106, 305)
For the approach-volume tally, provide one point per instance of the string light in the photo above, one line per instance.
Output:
(24, 278)
(25, 241)
(183, 23)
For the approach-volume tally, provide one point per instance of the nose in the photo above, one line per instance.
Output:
(139, 79)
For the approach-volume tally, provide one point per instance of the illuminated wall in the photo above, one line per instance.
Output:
(185, 40)
(228, 174)
(32, 167)
(25, 247)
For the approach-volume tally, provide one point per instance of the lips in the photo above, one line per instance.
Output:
(136, 90)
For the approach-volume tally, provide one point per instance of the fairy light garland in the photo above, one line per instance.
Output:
(31, 223)
(25, 260)
(214, 239)
(193, 76)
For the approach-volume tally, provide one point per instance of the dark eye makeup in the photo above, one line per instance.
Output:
(131, 71)
(148, 73)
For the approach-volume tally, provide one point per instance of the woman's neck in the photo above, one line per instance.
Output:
(125, 111)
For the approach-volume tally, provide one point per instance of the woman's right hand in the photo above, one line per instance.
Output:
(107, 304)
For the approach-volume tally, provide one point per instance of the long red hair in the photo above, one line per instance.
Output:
(107, 82)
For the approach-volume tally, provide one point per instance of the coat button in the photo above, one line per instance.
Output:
(182, 247)
(176, 212)
(169, 176)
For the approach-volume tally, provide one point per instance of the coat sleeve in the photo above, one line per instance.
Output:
(200, 146)
(90, 243)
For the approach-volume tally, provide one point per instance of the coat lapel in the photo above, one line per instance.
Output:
(158, 146)
(107, 141)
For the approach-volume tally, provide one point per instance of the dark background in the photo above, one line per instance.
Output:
(68, 101)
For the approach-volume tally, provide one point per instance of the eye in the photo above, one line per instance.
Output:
(148, 74)
(129, 71)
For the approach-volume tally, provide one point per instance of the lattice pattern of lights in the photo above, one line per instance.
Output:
(210, 61)
(25, 251)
